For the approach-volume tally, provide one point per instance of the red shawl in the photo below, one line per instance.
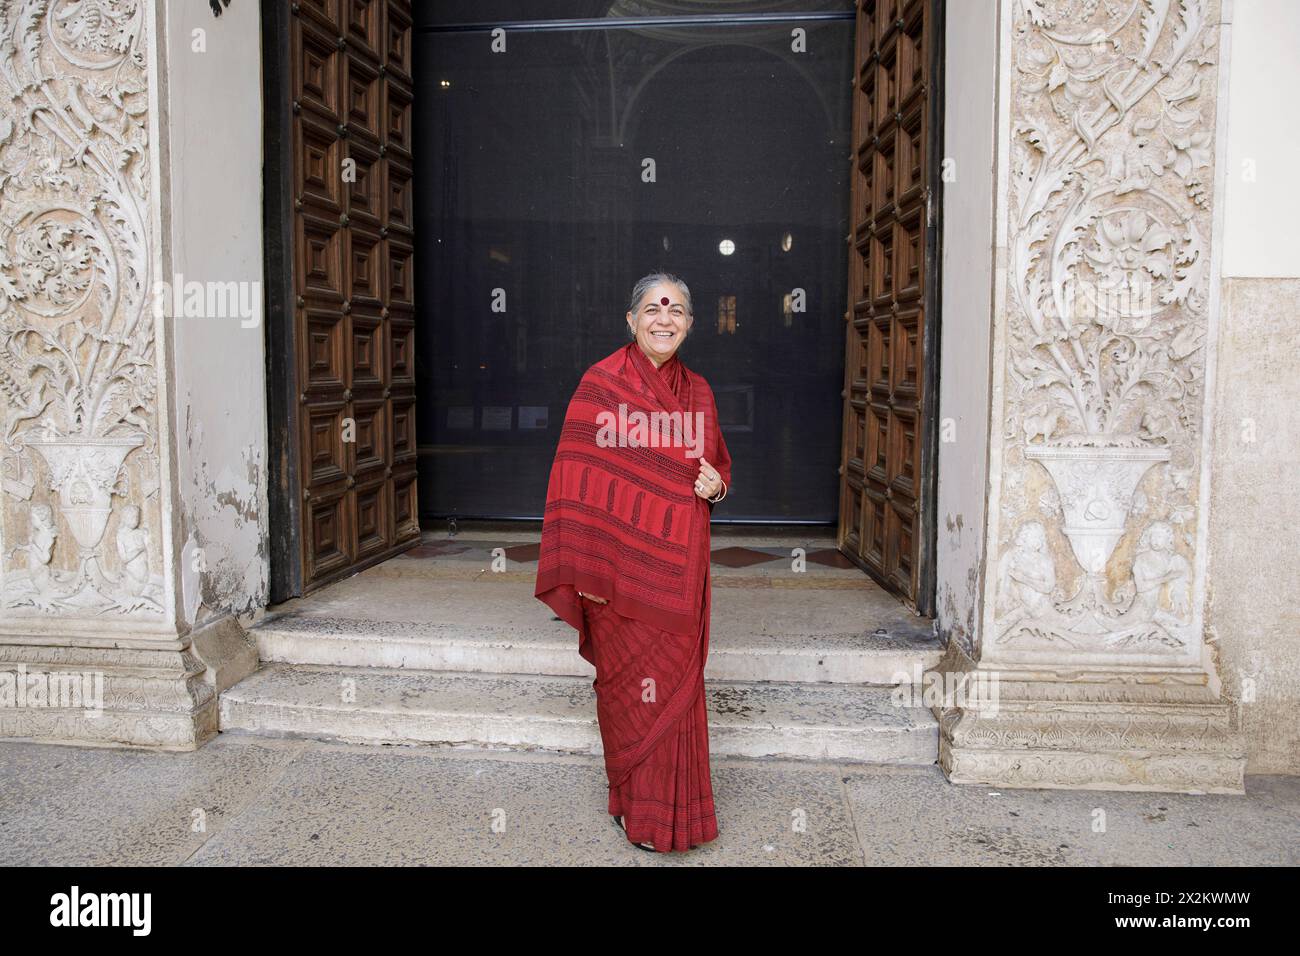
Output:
(623, 522)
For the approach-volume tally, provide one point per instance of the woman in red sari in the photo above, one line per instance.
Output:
(624, 559)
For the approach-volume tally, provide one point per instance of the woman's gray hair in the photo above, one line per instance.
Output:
(646, 283)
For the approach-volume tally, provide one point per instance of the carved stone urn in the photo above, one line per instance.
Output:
(83, 471)
(1096, 486)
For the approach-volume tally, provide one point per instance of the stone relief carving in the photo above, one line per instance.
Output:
(77, 354)
(1111, 166)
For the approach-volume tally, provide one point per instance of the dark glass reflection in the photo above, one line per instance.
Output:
(530, 166)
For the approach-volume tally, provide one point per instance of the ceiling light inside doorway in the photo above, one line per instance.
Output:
(726, 247)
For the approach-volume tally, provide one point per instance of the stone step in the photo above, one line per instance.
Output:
(558, 713)
(794, 635)
(867, 658)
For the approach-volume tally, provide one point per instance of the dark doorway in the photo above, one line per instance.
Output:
(535, 219)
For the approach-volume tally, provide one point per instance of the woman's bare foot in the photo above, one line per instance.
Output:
(643, 846)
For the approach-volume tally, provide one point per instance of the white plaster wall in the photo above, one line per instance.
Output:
(1254, 533)
(970, 88)
(1263, 176)
(215, 121)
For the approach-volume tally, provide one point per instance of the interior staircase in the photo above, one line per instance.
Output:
(437, 648)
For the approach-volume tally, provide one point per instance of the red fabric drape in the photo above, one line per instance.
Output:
(623, 522)
(657, 767)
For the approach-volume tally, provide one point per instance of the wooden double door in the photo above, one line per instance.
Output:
(338, 84)
(342, 321)
(887, 471)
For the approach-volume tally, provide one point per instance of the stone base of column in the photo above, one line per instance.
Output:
(153, 697)
(1087, 729)
(227, 651)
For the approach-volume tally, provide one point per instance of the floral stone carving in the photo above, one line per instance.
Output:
(1109, 195)
(78, 365)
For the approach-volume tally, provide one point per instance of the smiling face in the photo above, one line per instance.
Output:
(661, 321)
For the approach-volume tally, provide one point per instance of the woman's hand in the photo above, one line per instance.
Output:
(708, 483)
(592, 597)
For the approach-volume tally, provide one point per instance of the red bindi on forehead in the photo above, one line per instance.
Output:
(663, 300)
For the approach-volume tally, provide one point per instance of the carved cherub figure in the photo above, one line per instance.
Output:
(40, 546)
(1156, 565)
(133, 552)
(1028, 572)
(1026, 579)
(38, 585)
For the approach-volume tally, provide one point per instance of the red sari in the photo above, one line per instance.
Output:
(623, 522)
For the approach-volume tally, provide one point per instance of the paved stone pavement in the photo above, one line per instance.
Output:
(262, 801)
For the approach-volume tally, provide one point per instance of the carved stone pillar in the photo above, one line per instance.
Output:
(88, 555)
(1105, 321)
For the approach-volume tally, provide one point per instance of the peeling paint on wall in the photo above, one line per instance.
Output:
(227, 514)
(216, 238)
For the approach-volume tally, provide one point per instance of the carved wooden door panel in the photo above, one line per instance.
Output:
(887, 465)
(353, 309)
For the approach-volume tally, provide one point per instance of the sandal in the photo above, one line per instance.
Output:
(639, 846)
